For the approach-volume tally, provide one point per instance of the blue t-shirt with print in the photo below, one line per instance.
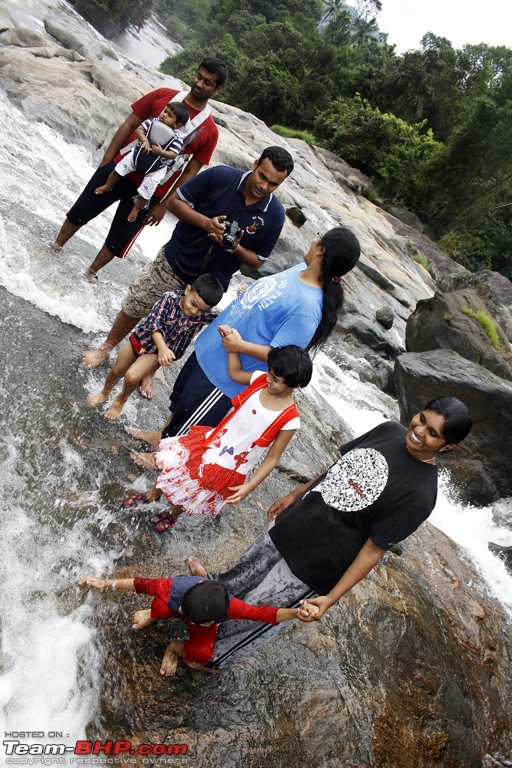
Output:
(276, 310)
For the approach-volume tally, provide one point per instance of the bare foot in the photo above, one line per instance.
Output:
(133, 214)
(100, 397)
(104, 188)
(54, 247)
(203, 667)
(92, 358)
(146, 386)
(91, 277)
(170, 661)
(151, 438)
(196, 566)
(115, 410)
(142, 619)
(144, 460)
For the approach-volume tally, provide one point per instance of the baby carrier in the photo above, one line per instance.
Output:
(159, 133)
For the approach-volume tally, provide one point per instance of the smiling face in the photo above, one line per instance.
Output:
(191, 304)
(277, 385)
(424, 437)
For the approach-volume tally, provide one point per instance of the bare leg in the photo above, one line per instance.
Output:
(151, 438)
(121, 327)
(100, 397)
(171, 656)
(113, 178)
(139, 205)
(196, 566)
(66, 233)
(141, 619)
(146, 386)
(133, 375)
(144, 460)
(103, 258)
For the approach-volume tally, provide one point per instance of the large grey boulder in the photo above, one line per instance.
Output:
(481, 467)
(440, 322)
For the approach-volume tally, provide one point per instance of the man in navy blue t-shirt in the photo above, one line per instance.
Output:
(198, 244)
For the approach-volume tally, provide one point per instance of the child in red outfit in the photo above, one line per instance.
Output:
(202, 605)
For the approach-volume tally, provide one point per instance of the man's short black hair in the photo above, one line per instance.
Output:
(205, 601)
(209, 289)
(279, 157)
(180, 110)
(215, 67)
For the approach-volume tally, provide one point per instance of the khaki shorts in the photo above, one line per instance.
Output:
(156, 278)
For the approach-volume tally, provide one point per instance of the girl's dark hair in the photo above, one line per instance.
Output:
(292, 364)
(457, 418)
(341, 254)
(209, 289)
(205, 601)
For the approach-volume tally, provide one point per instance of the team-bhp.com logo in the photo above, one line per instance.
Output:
(85, 752)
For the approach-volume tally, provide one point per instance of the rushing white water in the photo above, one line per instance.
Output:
(50, 680)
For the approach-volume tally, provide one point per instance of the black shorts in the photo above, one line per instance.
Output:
(122, 233)
(195, 400)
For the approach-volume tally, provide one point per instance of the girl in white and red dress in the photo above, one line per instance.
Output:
(202, 471)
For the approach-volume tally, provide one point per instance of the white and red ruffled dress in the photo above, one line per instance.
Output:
(198, 469)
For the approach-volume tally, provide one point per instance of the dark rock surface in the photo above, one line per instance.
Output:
(440, 323)
(482, 465)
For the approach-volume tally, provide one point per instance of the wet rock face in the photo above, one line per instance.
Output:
(442, 322)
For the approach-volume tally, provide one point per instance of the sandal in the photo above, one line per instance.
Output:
(162, 522)
(132, 502)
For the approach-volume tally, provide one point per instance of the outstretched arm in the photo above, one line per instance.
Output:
(126, 585)
(267, 465)
(284, 502)
(366, 559)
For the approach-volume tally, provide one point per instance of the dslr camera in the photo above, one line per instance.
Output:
(231, 233)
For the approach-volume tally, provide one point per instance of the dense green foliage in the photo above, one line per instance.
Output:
(430, 127)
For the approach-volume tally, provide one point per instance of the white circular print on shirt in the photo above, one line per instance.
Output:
(356, 481)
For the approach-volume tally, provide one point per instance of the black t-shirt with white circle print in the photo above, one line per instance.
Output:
(376, 490)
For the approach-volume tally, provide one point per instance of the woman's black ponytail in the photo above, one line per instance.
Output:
(341, 254)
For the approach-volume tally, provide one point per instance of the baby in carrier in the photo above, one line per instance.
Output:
(158, 143)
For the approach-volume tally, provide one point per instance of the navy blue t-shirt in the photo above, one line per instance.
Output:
(376, 491)
(220, 192)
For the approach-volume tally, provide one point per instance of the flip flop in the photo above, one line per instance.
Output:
(132, 502)
(162, 521)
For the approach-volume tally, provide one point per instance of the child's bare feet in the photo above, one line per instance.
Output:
(170, 661)
(146, 386)
(104, 188)
(203, 667)
(93, 358)
(54, 247)
(114, 411)
(94, 400)
(151, 438)
(144, 460)
(142, 619)
(133, 214)
(196, 566)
